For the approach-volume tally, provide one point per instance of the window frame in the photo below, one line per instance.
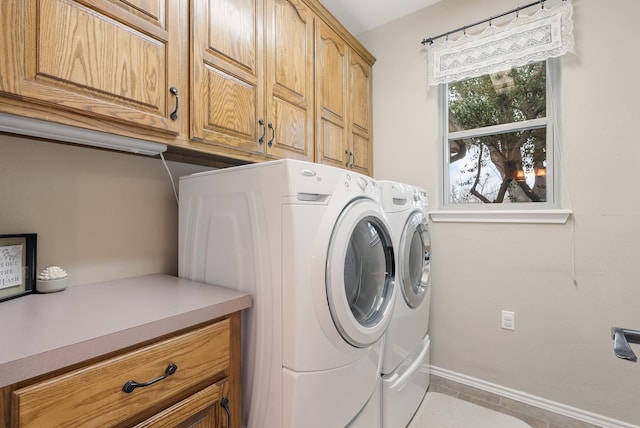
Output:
(529, 212)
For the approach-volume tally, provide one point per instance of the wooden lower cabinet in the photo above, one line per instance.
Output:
(206, 408)
(191, 379)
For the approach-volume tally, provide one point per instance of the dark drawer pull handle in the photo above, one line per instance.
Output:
(132, 384)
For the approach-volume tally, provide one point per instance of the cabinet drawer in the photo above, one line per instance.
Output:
(94, 396)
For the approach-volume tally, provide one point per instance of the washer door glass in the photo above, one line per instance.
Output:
(415, 259)
(360, 276)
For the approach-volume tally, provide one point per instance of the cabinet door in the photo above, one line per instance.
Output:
(227, 73)
(103, 59)
(204, 409)
(331, 91)
(289, 61)
(360, 113)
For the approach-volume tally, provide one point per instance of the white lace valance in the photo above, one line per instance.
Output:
(548, 33)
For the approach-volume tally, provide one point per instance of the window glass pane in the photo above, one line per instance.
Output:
(502, 168)
(495, 99)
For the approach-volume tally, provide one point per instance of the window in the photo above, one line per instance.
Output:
(498, 97)
(498, 139)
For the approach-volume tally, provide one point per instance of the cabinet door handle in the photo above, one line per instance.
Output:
(349, 157)
(174, 91)
(264, 131)
(132, 384)
(225, 405)
(273, 134)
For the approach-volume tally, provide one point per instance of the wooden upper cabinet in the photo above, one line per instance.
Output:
(360, 100)
(331, 92)
(343, 87)
(249, 80)
(253, 78)
(227, 73)
(289, 85)
(112, 60)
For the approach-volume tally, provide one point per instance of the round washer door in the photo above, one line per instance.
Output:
(415, 259)
(360, 274)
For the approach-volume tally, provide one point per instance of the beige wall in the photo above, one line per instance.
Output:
(104, 215)
(99, 215)
(561, 349)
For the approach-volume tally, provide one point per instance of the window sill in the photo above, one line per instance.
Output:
(552, 216)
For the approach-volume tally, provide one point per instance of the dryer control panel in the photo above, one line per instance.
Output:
(317, 183)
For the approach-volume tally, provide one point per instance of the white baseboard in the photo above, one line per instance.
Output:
(532, 400)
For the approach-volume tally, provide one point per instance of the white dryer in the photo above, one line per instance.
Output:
(405, 368)
(313, 246)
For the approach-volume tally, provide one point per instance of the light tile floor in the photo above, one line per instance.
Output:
(534, 416)
(444, 411)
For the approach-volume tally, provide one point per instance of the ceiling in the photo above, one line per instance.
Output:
(363, 15)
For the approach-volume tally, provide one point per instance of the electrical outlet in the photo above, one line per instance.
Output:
(508, 320)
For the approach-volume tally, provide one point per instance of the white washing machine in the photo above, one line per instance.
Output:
(312, 245)
(405, 367)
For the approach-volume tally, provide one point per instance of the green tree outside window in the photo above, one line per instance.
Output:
(497, 137)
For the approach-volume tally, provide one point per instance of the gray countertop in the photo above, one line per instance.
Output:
(46, 332)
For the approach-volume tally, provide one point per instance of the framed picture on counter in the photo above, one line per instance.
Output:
(17, 265)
